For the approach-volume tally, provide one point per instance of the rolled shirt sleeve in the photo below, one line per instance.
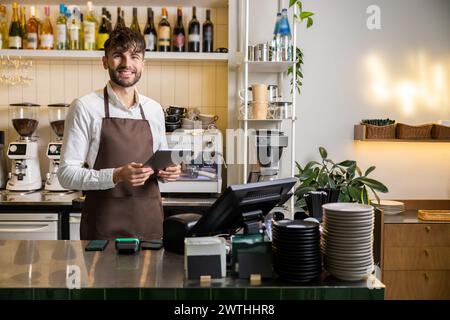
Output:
(77, 136)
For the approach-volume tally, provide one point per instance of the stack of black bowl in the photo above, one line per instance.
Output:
(296, 250)
(174, 115)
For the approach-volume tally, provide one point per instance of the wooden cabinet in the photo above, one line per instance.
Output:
(416, 262)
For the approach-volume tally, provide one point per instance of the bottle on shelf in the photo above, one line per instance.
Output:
(90, 26)
(3, 28)
(208, 33)
(46, 32)
(194, 33)
(62, 40)
(23, 27)
(275, 44)
(74, 26)
(285, 45)
(103, 31)
(120, 23)
(15, 40)
(135, 23)
(178, 44)
(32, 30)
(81, 32)
(150, 34)
(108, 21)
(164, 32)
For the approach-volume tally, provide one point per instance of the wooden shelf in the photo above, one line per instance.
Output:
(360, 135)
(93, 55)
(137, 3)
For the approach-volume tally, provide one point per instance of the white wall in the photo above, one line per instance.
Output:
(412, 49)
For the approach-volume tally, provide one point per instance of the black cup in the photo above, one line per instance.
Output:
(174, 118)
(172, 110)
(170, 127)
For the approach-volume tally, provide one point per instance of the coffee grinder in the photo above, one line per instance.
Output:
(25, 172)
(269, 145)
(57, 115)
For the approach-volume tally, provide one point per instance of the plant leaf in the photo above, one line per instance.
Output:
(347, 163)
(292, 2)
(309, 23)
(369, 170)
(372, 183)
(359, 171)
(306, 14)
(323, 152)
(354, 193)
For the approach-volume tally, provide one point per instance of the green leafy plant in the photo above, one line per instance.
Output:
(345, 176)
(299, 18)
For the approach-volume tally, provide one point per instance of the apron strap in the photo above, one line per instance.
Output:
(106, 103)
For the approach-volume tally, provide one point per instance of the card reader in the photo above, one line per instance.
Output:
(127, 245)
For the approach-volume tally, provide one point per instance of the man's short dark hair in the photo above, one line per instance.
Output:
(122, 39)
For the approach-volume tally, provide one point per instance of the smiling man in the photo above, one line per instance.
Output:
(108, 136)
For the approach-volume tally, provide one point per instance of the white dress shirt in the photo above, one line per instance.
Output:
(82, 137)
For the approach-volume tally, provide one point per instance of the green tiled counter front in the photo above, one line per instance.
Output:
(36, 270)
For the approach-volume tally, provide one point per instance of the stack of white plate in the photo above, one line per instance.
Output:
(389, 207)
(347, 240)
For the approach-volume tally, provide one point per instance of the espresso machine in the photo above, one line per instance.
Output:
(57, 115)
(201, 168)
(268, 145)
(25, 172)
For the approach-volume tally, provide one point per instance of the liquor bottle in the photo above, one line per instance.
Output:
(108, 21)
(135, 24)
(120, 23)
(150, 32)
(62, 40)
(81, 32)
(194, 33)
(46, 32)
(208, 33)
(103, 31)
(4, 44)
(74, 30)
(90, 28)
(164, 32)
(32, 30)
(178, 33)
(23, 27)
(15, 41)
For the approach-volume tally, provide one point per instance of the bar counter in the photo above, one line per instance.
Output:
(38, 269)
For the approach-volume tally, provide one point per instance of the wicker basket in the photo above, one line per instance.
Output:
(422, 132)
(440, 132)
(380, 132)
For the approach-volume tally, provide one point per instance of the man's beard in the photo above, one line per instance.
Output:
(113, 74)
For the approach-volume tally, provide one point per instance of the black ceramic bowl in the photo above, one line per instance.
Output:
(173, 110)
(170, 127)
(174, 118)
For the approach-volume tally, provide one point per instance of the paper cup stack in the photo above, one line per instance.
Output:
(347, 240)
(389, 207)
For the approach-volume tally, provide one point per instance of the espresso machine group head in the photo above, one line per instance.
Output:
(25, 172)
(57, 116)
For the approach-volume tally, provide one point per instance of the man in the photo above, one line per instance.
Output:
(114, 131)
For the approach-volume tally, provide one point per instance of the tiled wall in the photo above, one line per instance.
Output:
(191, 84)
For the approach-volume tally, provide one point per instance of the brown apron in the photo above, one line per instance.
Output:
(123, 211)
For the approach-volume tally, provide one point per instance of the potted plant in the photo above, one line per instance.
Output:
(344, 176)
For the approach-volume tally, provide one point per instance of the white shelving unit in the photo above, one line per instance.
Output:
(87, 55)
(244, 68)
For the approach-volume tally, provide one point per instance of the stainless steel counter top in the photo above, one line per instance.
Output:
(42, 197)
(43, 264)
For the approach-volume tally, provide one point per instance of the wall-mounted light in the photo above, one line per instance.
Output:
(423, 84)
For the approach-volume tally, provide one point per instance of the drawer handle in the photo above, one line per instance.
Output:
(427, 228)
(426, 276)
(427, 253)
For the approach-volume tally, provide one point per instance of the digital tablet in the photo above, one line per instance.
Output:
(162, 159)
